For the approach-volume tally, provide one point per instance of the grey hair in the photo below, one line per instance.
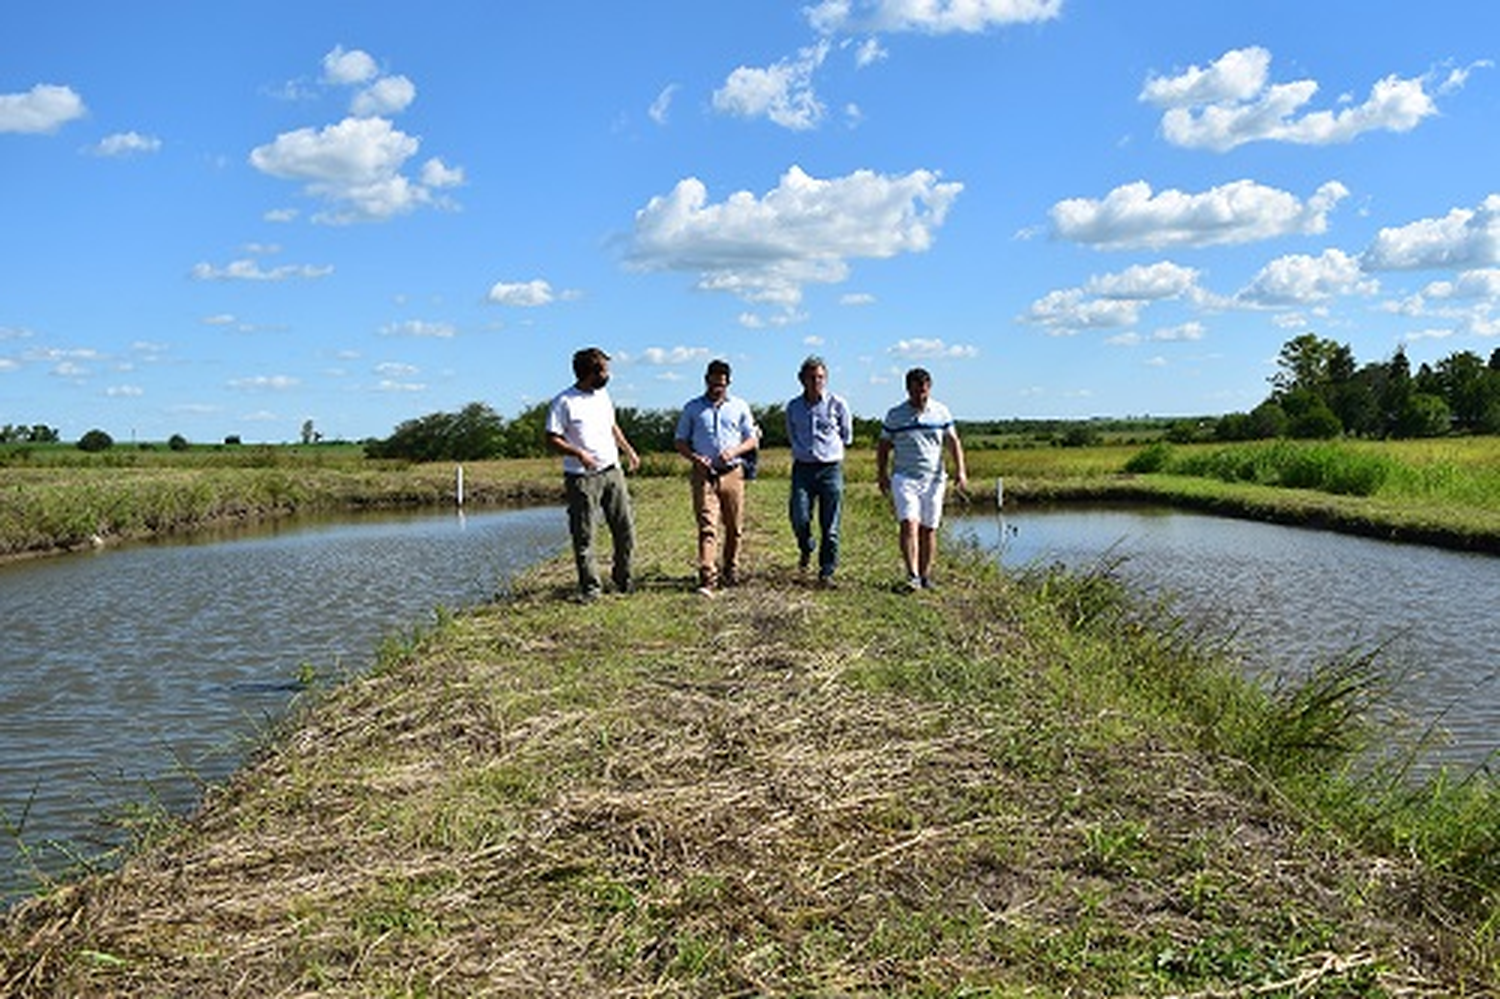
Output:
(811, 363)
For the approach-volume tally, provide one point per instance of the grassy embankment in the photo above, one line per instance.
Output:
(1012, 786)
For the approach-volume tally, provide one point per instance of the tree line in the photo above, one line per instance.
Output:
(1319, 392)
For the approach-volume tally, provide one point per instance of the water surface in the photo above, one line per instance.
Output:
(1292, 597)
(135, 675)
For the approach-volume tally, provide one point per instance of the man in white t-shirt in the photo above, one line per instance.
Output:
(581, 427)
(916, 432)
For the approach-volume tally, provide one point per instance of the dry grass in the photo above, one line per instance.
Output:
(665, 796)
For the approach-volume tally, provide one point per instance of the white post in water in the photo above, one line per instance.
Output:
(999, 492)
(460, 485)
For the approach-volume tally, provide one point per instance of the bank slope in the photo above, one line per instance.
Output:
(984, 789)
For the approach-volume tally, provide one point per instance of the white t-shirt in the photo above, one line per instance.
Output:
(587, 421)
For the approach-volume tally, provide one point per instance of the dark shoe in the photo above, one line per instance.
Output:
(803, 561)
(912, 585)
(729, 578)
(827, 583)
(588, 596)
(927, 583)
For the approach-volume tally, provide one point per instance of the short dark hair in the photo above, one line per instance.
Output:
(918, 376)
(717, 366)
(810, 364)
(587, 361)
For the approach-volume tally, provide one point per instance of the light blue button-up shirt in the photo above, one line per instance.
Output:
(711, 430)
(819, 431)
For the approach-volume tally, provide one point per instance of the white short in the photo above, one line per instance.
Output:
(919, 499)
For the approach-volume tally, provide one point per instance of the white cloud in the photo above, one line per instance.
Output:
(1112, 300)
(355, 165)
(124, 391)
(387, 95)
(1133, 217)
(347, 68)
(437, 174)
(1299, 279)
(782, 92)
(522, 294)
(250, 270)
(420, 328)
(396, 369)
(673, 355)
(857, 298)
(125, 144)
(1238, 75)
(921, 349)
(933, 17)
(40, 111)
(806, 230)
(1184, 332)
(1231, 103)
(661, 107)
(869, 52)
(1163, 279)
(1464, 238)
(266, 383)
(1070, 310)
(1483, 283)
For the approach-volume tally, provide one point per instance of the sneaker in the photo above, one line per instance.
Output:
(707, 592)
(927, 583)
(827, 583)
(729, 578)
(912, 585)
(589, 595)
(803, 561)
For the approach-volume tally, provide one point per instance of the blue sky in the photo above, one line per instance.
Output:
(230, 218)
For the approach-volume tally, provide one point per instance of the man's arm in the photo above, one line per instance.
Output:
(956, 449)
(882, 459)
(632, 460)
(561, 445)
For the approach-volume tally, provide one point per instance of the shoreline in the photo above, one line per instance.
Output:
(781, 791)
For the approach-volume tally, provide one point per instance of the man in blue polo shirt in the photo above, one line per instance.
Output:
(819, 427)
(916, 432)
(714, 432)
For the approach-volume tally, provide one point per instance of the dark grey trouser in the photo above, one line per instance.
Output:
(590, 495)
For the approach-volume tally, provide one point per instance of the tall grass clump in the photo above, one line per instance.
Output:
(1322, 467)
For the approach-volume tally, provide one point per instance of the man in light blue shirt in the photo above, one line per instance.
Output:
(819, 427)
(714, 432)
(916, 432)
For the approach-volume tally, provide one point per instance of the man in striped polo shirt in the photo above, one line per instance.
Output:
(915, 433)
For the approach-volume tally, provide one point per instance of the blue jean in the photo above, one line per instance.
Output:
(821, 483)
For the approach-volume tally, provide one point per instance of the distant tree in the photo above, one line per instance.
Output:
(177, 442)
(233, 440)
(309, 434)
(472, 434)
(649, 430)
(43, 434)
(95, 440)
(1422, 415)
(526, 434)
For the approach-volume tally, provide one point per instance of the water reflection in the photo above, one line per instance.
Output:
(1292, 597)
(133, 675)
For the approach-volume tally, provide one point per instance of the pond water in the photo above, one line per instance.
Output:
(1292, 597)
(134, 675)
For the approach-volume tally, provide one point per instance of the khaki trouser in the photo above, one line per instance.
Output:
(718, 499)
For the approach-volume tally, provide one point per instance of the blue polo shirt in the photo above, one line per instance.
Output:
(711, 429)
